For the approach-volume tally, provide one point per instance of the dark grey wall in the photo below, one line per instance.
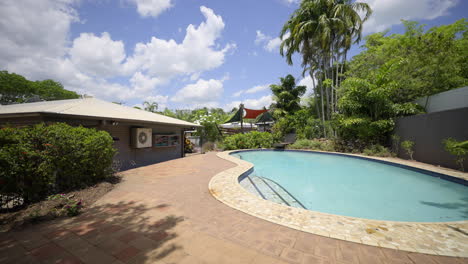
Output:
(429, 130)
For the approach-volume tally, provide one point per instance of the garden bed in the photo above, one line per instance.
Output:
(48, 209)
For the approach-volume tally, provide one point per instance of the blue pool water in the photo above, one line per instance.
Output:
(342, 185)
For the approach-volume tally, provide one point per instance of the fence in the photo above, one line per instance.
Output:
(428, 131)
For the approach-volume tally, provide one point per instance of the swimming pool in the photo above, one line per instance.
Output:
(356, 187)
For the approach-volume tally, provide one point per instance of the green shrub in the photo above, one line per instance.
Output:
(408, 145)
(249, 140)
(377, 150)
(458, 149)
(314, 144)
(39, 160)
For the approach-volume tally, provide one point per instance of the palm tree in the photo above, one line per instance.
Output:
(322, 31)
(151, 106)
(287, 96)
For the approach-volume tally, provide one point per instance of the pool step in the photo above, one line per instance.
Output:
(269, 190)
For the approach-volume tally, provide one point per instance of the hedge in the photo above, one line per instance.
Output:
(250, 140)
(39, 160)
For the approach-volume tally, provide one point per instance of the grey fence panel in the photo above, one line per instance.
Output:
(429, 130)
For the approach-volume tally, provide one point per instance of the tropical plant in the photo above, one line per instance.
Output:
(408, 145)
(150, 106)
(249, 140)
(367, 109)
(314, 144)
(286, 96)
(322, 31)
(458, 149)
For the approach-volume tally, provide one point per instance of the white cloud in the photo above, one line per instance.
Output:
(143, 84)
(33, 31)
(269, 43)
(238, 93)
(97, 56)
(160, 99)
(201, 93)
(260, 38)
(307, 81)
(258, 88)
(152, 7)
(255, 89)
(273, 44)
(290, 2)
(390, 12)
(35, 43)
(196, 53)
(259, 103)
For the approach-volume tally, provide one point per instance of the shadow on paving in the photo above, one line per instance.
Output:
(127, 231)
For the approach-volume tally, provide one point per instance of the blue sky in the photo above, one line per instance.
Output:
(181, 54)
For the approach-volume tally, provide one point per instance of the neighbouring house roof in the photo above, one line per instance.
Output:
(90, 108)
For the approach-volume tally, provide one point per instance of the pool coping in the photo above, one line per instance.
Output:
(437, 238)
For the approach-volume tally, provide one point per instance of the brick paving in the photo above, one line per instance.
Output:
(164, 214)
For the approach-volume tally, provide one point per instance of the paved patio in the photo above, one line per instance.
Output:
(164, 213)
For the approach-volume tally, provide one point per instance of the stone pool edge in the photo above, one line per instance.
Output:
(446, 239)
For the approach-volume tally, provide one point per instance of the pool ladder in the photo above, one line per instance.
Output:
(270, 190)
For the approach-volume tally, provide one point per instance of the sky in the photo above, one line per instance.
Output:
(179, 53)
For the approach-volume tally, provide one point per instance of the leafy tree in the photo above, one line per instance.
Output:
(51, 90)
(420, 62)
(14, 88)
(287, 96)
(208, 118)
(367, 109)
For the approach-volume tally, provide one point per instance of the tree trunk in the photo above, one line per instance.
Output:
(315, 95)
(323, 112)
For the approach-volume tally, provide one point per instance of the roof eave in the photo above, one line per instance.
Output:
(43, 113)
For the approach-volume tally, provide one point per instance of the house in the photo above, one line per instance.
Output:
(140, 137)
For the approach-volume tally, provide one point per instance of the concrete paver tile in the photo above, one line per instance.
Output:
(127, 253)
(272, 249)
(312, 259)
(292, 255)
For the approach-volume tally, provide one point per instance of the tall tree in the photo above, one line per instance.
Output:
(322, 31)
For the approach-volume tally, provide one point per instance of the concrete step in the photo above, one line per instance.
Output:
(269, 190)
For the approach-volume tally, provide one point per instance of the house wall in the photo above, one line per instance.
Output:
(130, 157)
(127, 156)
(427, 131)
